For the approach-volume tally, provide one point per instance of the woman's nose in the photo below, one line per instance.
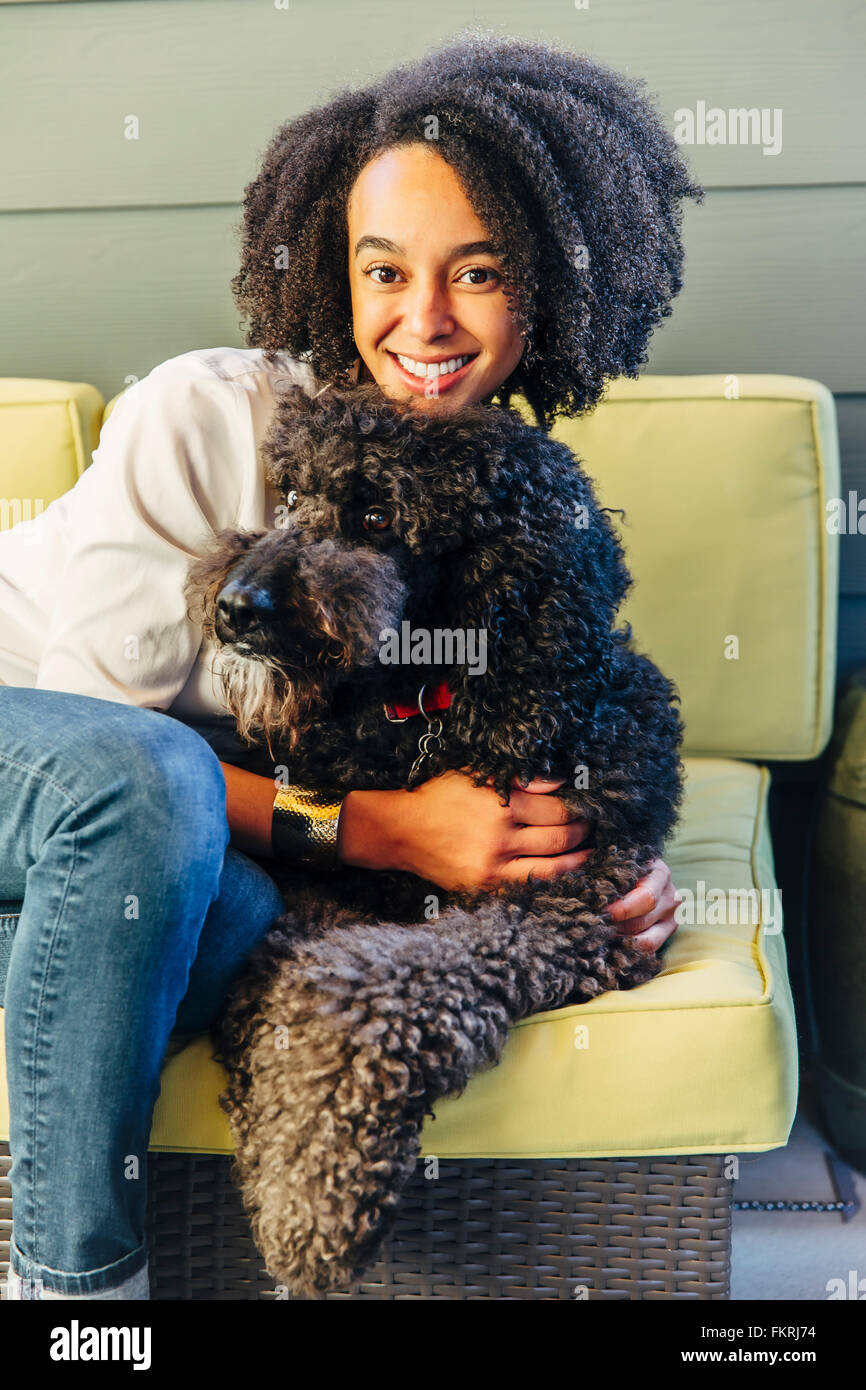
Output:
(430, 313)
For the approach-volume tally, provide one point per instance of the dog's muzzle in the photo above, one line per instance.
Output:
(299, 603)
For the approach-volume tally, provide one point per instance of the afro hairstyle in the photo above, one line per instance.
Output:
(566, 163)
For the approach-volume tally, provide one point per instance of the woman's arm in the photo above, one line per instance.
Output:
(447, 830)
(453, 833)
(168, 472)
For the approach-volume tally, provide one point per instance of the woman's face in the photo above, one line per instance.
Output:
(422, 287)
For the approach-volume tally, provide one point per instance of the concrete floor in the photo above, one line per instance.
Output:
(793, 1255)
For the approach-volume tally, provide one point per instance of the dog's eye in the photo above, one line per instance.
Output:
(291, 498)
(376, 519)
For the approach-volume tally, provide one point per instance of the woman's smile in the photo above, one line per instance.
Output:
(430, 377)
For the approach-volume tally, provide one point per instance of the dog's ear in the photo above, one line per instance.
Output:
(540, 597)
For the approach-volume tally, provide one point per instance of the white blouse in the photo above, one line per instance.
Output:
(91, 590)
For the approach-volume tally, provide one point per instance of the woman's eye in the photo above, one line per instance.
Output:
(480, 270)
(485, 270)
(389, 270)
(376, 519)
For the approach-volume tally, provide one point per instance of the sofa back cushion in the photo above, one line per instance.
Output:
(724, 482)
(48, 431)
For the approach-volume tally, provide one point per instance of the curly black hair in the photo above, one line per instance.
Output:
(565, 162)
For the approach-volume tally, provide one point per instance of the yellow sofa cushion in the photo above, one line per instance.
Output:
(48, 431)
(725, 533)
(703, 1059)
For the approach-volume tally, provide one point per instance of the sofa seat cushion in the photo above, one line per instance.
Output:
(703, 1059)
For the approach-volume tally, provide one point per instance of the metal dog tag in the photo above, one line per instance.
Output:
(430, 741)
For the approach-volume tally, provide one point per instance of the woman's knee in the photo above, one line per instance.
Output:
(78, 739)
(112, 770)
(155, 764)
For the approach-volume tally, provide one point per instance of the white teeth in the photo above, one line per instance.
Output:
(427, 369)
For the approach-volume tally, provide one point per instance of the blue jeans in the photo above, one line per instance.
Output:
(124, 919)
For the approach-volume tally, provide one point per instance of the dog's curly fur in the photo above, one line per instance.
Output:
(357, 1013)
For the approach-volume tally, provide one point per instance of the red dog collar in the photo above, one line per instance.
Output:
(438, 697)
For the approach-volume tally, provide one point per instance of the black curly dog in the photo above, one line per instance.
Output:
(356, 1012)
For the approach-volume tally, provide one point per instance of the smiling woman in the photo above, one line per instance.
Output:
(498, 217)
(498, 200)
(423, 326)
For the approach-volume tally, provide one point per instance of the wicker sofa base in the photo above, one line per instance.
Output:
(657, 1228)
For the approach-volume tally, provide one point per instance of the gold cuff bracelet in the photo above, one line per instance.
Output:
(304, 826)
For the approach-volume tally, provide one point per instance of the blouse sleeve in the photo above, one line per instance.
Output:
(167, 474)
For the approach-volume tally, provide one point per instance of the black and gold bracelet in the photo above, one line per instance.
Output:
(304, 826)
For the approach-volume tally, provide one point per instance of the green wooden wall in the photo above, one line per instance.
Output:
(117, 253)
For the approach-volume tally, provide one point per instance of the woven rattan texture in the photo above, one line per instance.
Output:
(629, 1228)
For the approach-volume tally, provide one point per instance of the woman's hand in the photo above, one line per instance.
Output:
(647, 913)
(451, 832)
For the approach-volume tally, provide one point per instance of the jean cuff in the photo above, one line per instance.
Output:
(126, 1278)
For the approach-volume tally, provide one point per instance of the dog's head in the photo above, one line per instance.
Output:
(384, 505)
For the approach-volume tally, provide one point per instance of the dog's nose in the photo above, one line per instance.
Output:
(241, 608)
